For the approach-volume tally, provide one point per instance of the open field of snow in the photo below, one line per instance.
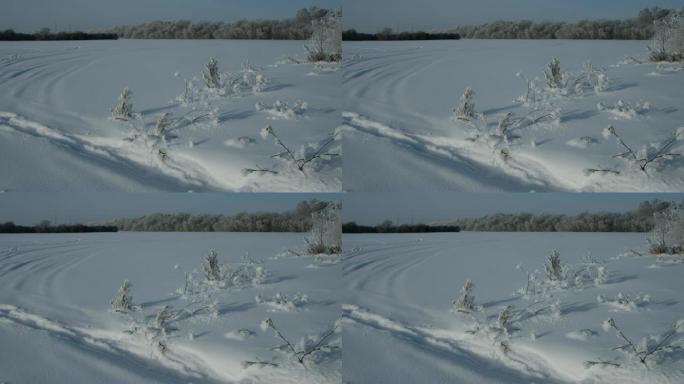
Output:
(57, 134)
(400, 326)
(400, 133)
(57, 326)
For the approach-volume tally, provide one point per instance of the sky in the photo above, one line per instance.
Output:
(405, 15)
(92, 208)
(32, 15)
(406, 208)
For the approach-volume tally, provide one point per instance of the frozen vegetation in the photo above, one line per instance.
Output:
(168, 308)
(169, 115)
(512, 308)
(488, 115)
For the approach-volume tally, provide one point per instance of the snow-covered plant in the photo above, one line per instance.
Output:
(123, 301)
(590, 273)
(650, 347)
(465, 302)
(212, 75)
(465, 109)
(667, 236)
(308, 347)
(281, 109)
(325, 236)
(624, 302)
(163, 320)
(282, 302)
(555, 272)
(212, 267)
(252, 79)
(123, 110)
(505, 318)
(649, 155)
(554, 75)
(591, 79)
(668, 40)
(301, 158)
(325, 43)
(624, 110)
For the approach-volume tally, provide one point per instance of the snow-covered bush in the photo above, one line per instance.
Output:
(590, 273)
(250, 80)
(123, 301)
(306, 349)
(281, 302)
(649, 156)
(591, 79)
(553, 74)
(624, 302)
(216, 275)
(505, 318)
(465, 109)
(123, 110)
(668, 40)
(465, 302)
(213, 78)
(282, 110)
(667, 236)
(554, 269)
(648, 349)
(163, 320)
(624, 110)
(325, 43)
(325, 236)
(304, 157)
(213, 270)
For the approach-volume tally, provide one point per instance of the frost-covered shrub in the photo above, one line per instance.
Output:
(591, 79)
(667, 236)
(281, 109)
(123, 301)
(624, 110)
(325, 236)
(465, 109)
(123, 110)
(465, 302)
(325, 43)
(281, 302)
(649, 349)
(668, 40)
(554, 75)
(163, 320)
(554, 269)
(590, 273)
(307, 156)
(306, 349)
(505, 318)
(649, 156)
(212, 75)
(624, 302)
(212, 268)
(251, 79)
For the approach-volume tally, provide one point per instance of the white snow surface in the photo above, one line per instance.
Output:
(399, 326)
(56, 325)
(399, 134)
(56, 133)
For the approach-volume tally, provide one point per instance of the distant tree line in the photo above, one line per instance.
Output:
(640, 220)
(298, 28)
(46, 227)
(298, 220)
(388, 227)
(639, 28)
(388, 34)
(45, 34)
